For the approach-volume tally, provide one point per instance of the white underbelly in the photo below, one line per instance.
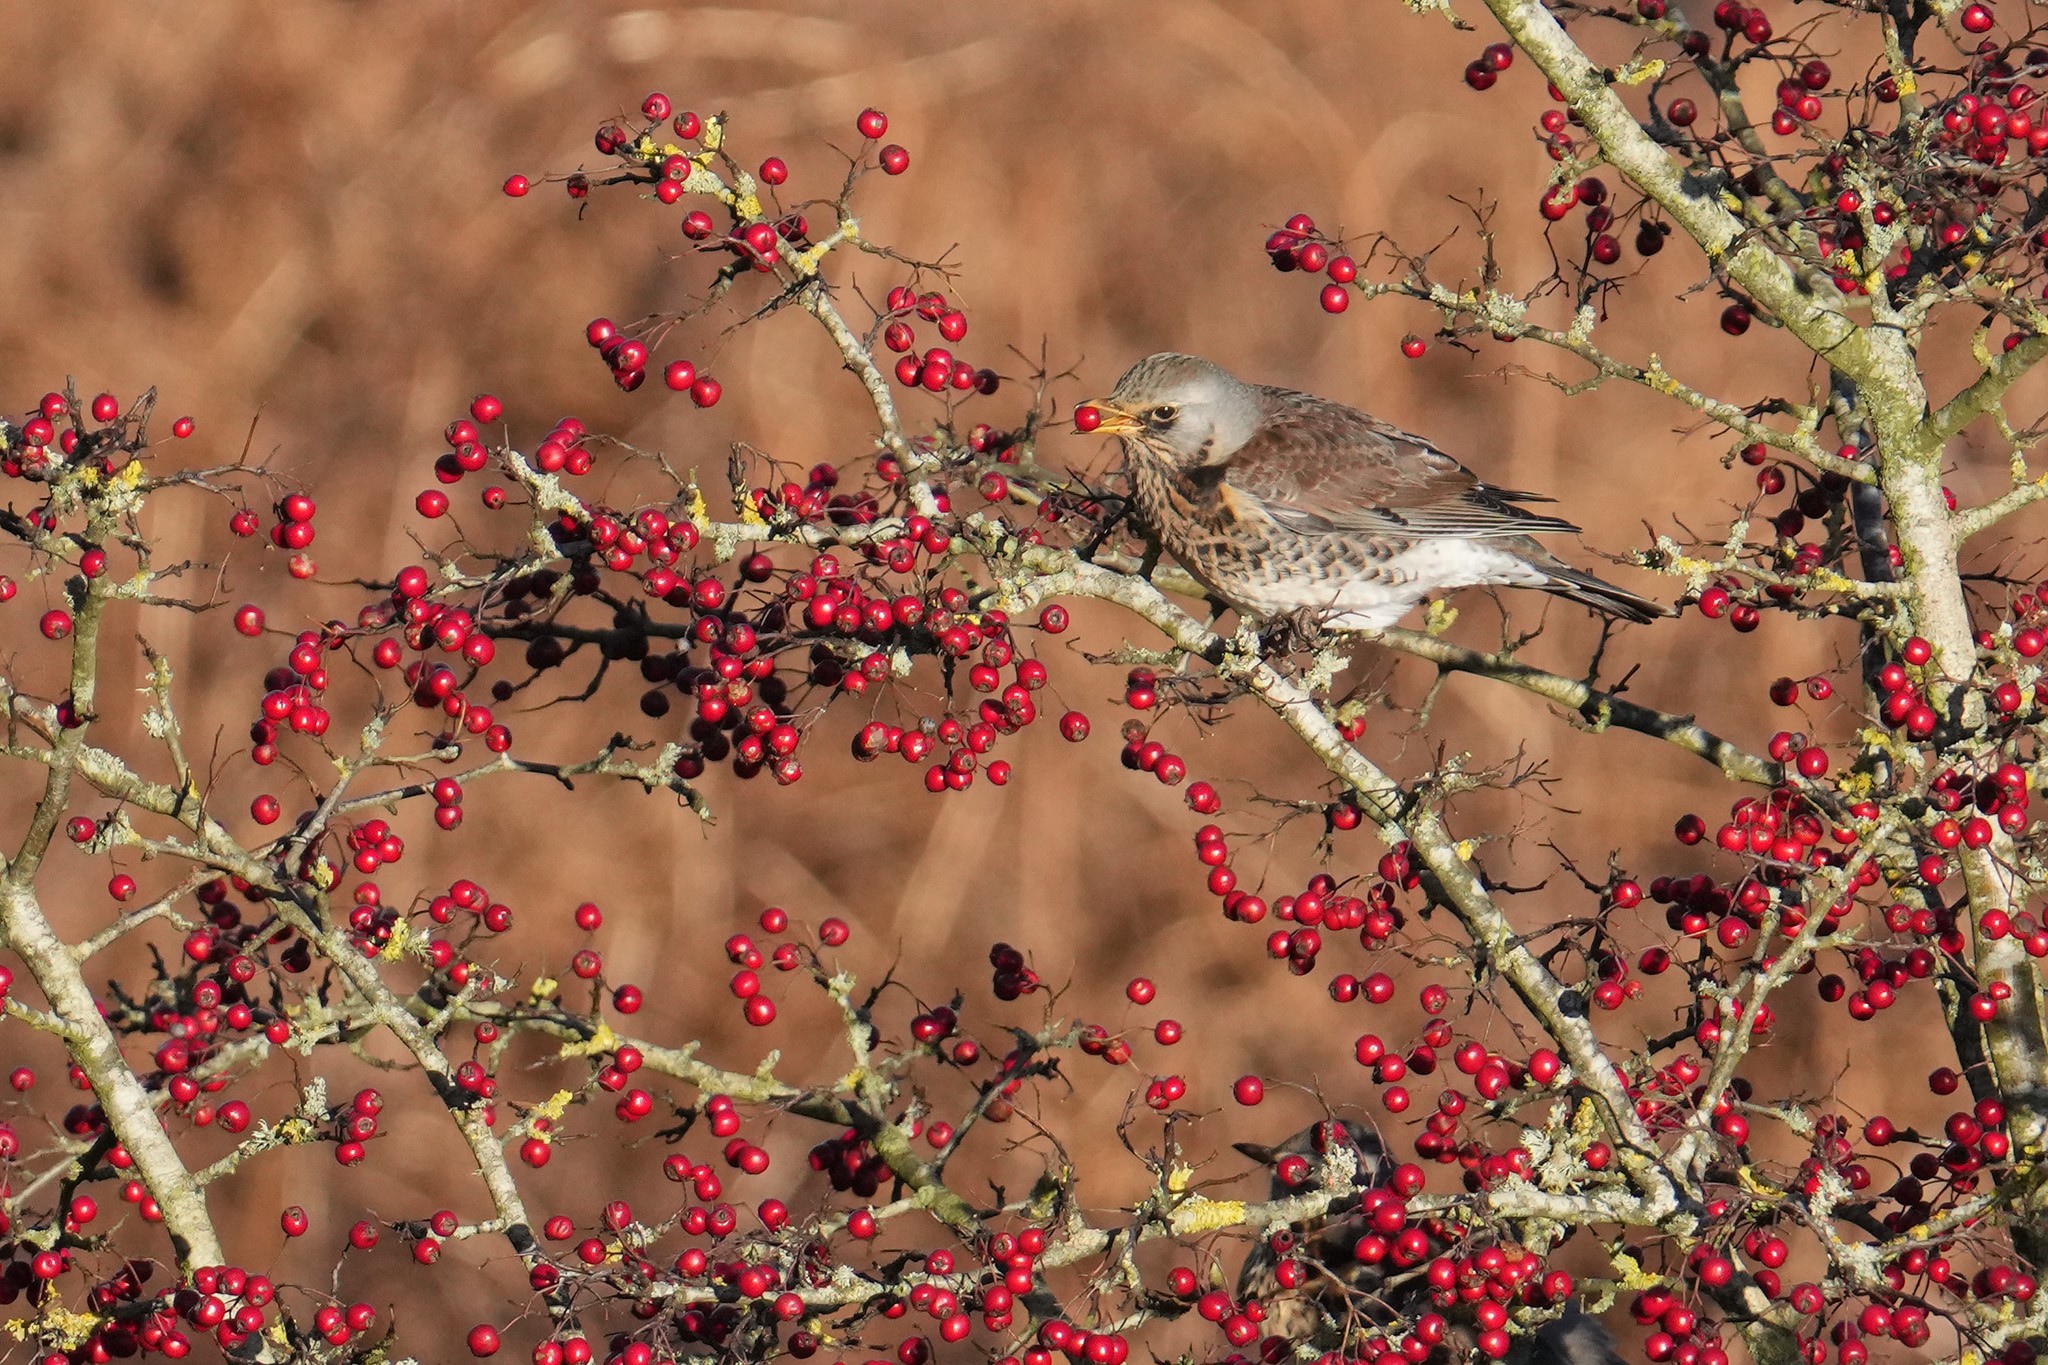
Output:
(1381, 598)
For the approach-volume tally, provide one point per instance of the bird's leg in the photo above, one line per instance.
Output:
(1150, 560)
(1292, 632)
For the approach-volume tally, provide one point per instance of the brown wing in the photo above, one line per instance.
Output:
(1319, 466)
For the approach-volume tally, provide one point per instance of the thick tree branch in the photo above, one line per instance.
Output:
(1805, 307)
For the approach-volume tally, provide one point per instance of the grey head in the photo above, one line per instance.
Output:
(1186, 410)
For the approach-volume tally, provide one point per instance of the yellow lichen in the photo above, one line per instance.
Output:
(1827, 580)
(56, 1325)
(551, 1108)
(1747, 1177)
(1200, 1214)
(1658, 378)
(603, 1040)
(1631, 1273)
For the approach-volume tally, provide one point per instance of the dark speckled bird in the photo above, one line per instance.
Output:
(1342, 1299)
(1281, 503)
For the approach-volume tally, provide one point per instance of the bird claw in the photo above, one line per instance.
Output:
(1299, 631)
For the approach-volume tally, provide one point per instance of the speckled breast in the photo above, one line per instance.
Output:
(1250, 562)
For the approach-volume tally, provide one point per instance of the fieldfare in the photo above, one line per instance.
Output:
(1337, 1300)
(1282, 504)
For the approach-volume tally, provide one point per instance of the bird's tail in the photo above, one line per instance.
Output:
(1577, 585)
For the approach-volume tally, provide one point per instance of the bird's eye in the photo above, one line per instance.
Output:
(1163, 414)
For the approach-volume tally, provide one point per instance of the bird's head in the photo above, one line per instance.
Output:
(1179, 408)
(1297, 1164)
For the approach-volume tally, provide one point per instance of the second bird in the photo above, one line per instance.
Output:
(1280, 503)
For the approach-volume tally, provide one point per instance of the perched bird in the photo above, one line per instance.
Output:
(1317, 1309)
(1332, 1298)
(1281, 503)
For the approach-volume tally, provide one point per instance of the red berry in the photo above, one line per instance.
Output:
(895, 160)
(872, 123)
(516, 186)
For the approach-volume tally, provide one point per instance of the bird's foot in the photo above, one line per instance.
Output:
(1300, 631)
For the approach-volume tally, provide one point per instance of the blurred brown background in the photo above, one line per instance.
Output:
(289, 215)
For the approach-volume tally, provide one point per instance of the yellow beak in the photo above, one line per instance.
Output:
(1110, 421)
